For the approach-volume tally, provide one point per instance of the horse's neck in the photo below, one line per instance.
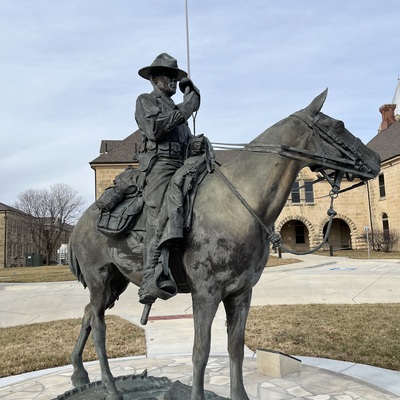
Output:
(264, 179)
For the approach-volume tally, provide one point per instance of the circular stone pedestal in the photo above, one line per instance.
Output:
(137, 387)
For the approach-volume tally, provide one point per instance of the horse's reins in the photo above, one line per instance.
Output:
(340, 165)
(348, 165)
(274, 237)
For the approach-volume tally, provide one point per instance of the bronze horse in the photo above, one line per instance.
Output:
(227, 248)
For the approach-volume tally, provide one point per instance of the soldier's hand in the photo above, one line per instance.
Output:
(186, 86)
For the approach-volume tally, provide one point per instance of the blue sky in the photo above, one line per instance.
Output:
(68, 73)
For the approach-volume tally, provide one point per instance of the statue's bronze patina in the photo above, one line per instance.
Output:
(226, 249)
(166, 135)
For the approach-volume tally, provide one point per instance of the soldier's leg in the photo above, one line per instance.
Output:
(161, 285)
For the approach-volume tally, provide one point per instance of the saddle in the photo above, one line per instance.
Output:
(122, 210)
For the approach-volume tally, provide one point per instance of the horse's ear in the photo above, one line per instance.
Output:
(315, 106)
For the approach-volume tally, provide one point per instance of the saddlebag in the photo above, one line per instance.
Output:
(122, 218)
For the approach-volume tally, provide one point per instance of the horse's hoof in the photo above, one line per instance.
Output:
(80, 380)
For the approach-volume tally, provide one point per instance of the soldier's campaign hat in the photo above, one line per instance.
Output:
(163, 61)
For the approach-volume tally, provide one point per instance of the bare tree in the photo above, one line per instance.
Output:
(384, 240)
(50, 214)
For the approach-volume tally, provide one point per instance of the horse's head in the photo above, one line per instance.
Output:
(335, 147)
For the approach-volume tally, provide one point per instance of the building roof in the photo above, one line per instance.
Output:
(387, 142)
(119, 151)
(5, 207)
(124, 151)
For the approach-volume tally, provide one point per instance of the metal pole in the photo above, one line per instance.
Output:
(188, 59)
(187, 38)
(370, 216)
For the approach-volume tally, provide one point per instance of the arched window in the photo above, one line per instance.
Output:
(385, 226)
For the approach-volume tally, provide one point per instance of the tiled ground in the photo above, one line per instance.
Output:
(311, 383)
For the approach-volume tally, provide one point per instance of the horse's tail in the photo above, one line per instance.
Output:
(74, 265)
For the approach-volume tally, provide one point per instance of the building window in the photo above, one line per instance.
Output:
(295, 193)
(299, 232)
(382, 191)
(385, 226)
(309, 192)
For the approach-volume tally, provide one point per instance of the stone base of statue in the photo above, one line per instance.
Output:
(137, 387)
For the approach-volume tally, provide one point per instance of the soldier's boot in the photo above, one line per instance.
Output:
(157, 282)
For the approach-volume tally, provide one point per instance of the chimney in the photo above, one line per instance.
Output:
(388, 117)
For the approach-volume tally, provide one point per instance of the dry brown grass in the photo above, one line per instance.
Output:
(53, 273)
(360, 333)
(274, 261)
(38, 346)
(363, 254)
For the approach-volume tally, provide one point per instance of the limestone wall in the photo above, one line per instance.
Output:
(2, 239)
(351, 208)
(105, 175)
(390, 203)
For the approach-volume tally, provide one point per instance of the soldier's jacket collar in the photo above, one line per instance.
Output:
(158, 94)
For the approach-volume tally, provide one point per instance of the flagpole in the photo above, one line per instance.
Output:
(187, 37)
(188, 60)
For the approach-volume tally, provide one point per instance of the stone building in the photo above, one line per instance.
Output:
(15, 240)
(115, 156)
(373, 206)
(303, 221)
(17, 244)
(385, 190)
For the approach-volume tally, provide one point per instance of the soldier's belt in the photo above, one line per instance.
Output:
(165, 149)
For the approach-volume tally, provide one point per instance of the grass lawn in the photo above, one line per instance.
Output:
(52, 273)
(34, 347)
(361, 333)
(363, 254)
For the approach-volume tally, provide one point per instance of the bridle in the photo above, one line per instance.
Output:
(351, 167)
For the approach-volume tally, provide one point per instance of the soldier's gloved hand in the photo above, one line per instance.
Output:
(190, 104)
(186, 86)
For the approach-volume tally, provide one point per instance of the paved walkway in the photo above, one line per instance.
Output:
(315, 280)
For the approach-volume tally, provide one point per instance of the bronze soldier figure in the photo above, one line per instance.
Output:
(166, 135)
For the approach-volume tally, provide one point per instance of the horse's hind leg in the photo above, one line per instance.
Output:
(80, 376)
(237, 309)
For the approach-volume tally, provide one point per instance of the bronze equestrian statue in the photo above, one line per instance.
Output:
(225, 251)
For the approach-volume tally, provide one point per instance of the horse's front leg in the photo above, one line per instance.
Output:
(204, 310)
(99, 339)
(237, 309)
(80, 376)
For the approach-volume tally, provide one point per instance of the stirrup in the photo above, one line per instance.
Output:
(151, 289)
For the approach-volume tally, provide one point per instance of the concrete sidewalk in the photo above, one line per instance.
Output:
(316, 279)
